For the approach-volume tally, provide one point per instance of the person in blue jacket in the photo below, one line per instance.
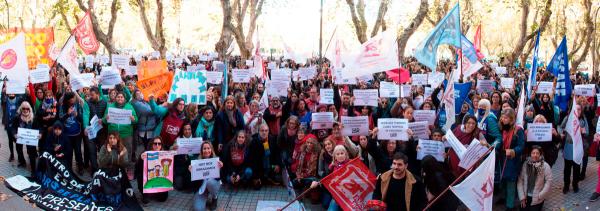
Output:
(509, 157)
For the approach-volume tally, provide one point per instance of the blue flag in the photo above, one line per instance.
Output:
(446, 32)
(531, 82)
(461, 93)
(559, 67)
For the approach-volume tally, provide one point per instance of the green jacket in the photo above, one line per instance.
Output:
(125, 131)
(107, 99)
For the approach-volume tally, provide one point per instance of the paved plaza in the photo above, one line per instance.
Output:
(247, 199)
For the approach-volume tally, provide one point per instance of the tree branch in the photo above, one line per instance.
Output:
(380, 22)
(412, 27)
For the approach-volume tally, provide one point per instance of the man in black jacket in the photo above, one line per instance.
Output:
(393, 185)
(266, 157)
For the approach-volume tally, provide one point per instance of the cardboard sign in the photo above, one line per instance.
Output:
(151, 68)
(157, 86)
(322, 120)
(472, 154)
(120, 61)
(544, 87)
(355, 126)
(191, 86)
(539, 132)
(28, 136)
(326, 97)
(405, 91)
(205, 168)
(158, 171)
(430, 147)
(39, 75)
(507, 83)
(425, 115)
(392, 129)
(365, 97)
(389, 89)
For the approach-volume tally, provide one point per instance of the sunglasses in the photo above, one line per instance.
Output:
(25, 109)
(157, 143)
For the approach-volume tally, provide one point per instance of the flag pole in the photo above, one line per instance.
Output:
(296, 199)
(458, 179)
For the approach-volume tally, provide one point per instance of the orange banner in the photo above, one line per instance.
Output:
(38, 42)
(158, 85)
(149, 69)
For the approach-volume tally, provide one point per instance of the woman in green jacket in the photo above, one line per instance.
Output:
(125, 130)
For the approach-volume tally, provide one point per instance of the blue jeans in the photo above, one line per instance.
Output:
(246, 176)
(209, 189)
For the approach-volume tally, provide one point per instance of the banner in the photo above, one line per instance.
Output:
(189, 145)
(326, 96)
(151, 68)
(84, 31)
(398, 75)
(157, 86)
(60, 189)
(573, 128)
(13, 60)
(378, 54)
(477, 190)
(68, 57)
(191, 86)
(158, 171)
(38, 44)
(392, 129)
(447, 31)
(532, 75)
(559, 67)
(118, 116)
(351, 185)
(205, 168)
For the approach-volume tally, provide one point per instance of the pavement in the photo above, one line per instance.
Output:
(246, 199)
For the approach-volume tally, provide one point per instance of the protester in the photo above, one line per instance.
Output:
(206, 197)
(513, 144)
(156, 144)
(237, 160)
(570, 165)
(114, 154)
(229, 122)
(70, 115)
(398, 188)
(25, 119)
(534, 181)
(267, 163)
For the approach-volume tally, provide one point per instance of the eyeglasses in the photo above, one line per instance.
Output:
(25, 109)
(157, 143)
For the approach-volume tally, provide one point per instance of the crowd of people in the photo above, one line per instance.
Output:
(256, 145)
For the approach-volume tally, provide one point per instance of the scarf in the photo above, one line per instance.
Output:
(231, 117)
(47, 105)
(533, 170)
(205, 128)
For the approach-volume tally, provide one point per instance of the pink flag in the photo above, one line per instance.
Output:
(477, 42)
(399, 75)
(85, 35)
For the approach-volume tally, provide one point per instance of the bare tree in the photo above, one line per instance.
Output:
(412, 27)
(105, 38)
(587, 38)
(524, 35)
(357, 12)
(226, 36)
(234, 16)
(156, 38)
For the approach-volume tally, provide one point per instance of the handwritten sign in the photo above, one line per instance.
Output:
(94, 127)
(405, 91)
(544, 87)
(307, 73)
(419, 129)
(539, 132)
(339, 79)
(157, 85)
(214, 77)
(15, 87)
(119, 116)
(424, 115)
(456, 145)
(189, 145)
(435, 79)
(365, 97)
(430, 147)
(419, 79)
(392, 129)
(326, 96)
(131, 70)
(485, 86)
(507, 83)
(355, 126)
(587, 90)
(249, 63)
(322, 120)
(205, 168)
(241, 75)
(277, 88)
(389, 89)
(472, 154)
(120, 61)
(27, 136)
(39, 75)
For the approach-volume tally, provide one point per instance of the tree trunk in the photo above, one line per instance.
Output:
(359, 26)
(524, 36)
(105, 38)
(380, 22)
(412, 27)
(156, 39)
(589, 31)
(225, 39)
(7, 14)
(239, 10)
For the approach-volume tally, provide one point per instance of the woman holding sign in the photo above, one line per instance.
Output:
(183, 178)
(156, 144)
(125, 131)
(206, 197)
(24, 119)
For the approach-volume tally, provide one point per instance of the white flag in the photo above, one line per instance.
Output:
(477, 190)
(448, 100)
(264, 102)
(68, 57)
(13, 61)
(521, 109)
(573, 129)
(378, 54)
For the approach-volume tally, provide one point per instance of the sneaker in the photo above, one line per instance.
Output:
(594, 197)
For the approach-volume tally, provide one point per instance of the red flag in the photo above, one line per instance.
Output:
(400, 75)
(351, 186)
(477, 42)
(84, 33)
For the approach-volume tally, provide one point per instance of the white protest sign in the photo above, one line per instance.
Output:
(365, 78)
(15, 87)
(94, 127)
(203, 58)
(539, 132)
(507, 83)
(598, 126)
(339, 79)
(500, 70)
(544, 87)
(587, 90)
(428, 91)
(28, 136)
(424, 115)
(419, 79)
(281, 75)
(214, 77)
(392, 129)
(80, 81)
(435, 79)
(110, 77)
(405, 91)
(307, 73)
(271, 65)
(190, 86)
(119, 116)
(39, 75)
(277, 88)
(472, 154)
(430, 147)
(322, 120)
(205, 168)
(131, 70)
(241, 75)
(249, 63)
(598, 99)
(494, 65)
(120, 61)
(355, 126)
(419, 129)
(188, 145)
(365, 97)
(326, 96)
(458, 147)
(89, 61)
(485, 86)
(389, 89)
